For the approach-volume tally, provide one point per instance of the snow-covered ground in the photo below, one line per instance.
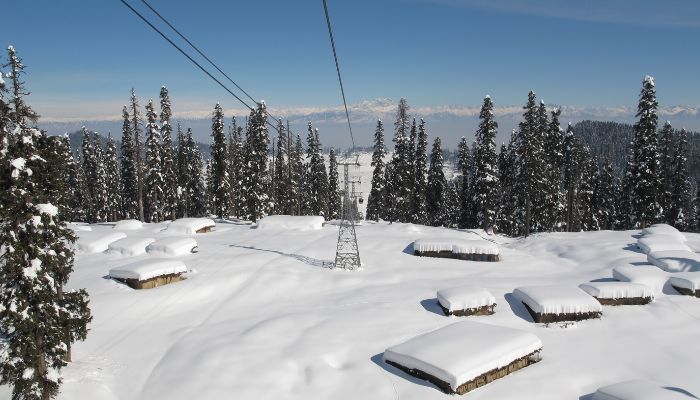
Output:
(259, 317)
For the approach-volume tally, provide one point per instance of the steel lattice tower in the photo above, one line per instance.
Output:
(347, 254)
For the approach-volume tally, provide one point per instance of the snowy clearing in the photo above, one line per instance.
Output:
(292, 222)
(259, 317)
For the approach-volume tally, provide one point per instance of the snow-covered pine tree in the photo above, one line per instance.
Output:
(90, 169)
(411, 165)
(530, 172)
(681, 194)
(466, 201)
(389, 212)
(436, 190)
(587, 200)
(626, 215)
(255, 188)
(400, 197)
(507, 169)
(5, 124)
(375, 201)
(19, 111)
(170, 184)
(420, 164)
(220, 186)
(486, 186)
(153, 184)
(665, 157)
(281, 171)
(37, 323)
(77, 182)
(318, 177)
(195, 191)
(298, 169)
(181, 168)
(648, 185)
(113, 182)
(130, 202)
(235, 168)
(333, 188)
(605, 197)
(99, 176)
(138, 154)
(553, 210)
(452, 207)
(570, 178)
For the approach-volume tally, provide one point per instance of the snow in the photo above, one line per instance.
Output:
(661, 242)
(130, 246)
(173, 246)
(148, 268)
(259, 318)
(465, 297)
(79, 227)
(675, 260)
(462, 351)
(128, 225)
(648, 275)
(456, 246)
(641, 390)
(557, 299)
(97, 242)
(686, 280)
(663, 229)
(189, 226)
(48, 209)
(291, 222)
(616, 290)
(18, 165)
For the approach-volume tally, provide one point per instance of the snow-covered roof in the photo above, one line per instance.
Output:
(128, 225)
(616, 290)
(456, 246)
(641, 390)
(173, 246)
(148, 268)
(686, 280)
(557, 299)
(663, 229)
(130, 246)
(460, 352)
(90, 242)
(661, 242)
(291, 222)
(465, 297)
(189, 226)
(675, 260)
(648, 275)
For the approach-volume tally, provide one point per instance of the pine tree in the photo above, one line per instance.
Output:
(375, 201)
(436, 190)
(570, 176)
(333, 188)
(254, 181)
(486, 186)
(170, 184)
(318, 178)
(399, 205)
(281, 170)
(113, 182)
(297, 177)
(465, 203)
(419, 213)
(389, 212)
(219, 188)
(681, 194)
(235, 168)
(99, 177)
(90, 170)
(529, 176)
(626, 215)
(452, 208)
(605, 197)
(37, 321)
(553, 212)
(647, 185)
(78, 189)
(587, 199)
(195, 191)
(666, 167)
(130, 201)
(507, 169)
(5, 123)
(20, 111)
(138, 153)
(181, 168)
(153, 184)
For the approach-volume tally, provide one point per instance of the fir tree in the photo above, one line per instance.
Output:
(605, 197)
(317, 182)
(195, 192)
(154, 174)
(130, 201)
(181, 168)
(399, 201)
(587, 200)
(297, 177)
(507, 173)
(333, 188)
(5, 122)
(90, 170)
(436, 190)
(375, 201)
(138, 153)
(170, 184)
(666, 168)
(100, 196)
(626, 216)
(219, 187)
(113, 182)
(647, 185)
(254, 181)
(281, 171)
(465, 203)
(419, 213)
(486, 185)
(235, 168)
(553, 211)
(681, 194)
(20, 111)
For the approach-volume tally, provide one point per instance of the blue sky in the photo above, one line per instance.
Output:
(84, 56)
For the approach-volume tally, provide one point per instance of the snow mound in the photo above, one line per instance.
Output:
(465, 297)
(174, 246)
(675, 260)
(686, 280)
(147, 269)
(97, 243)
(557, 299)
(616, 290)
(663, 229)
(189, 226)
(648, 275)
(456, 246)
(128, 225)
(641, 390)
(130, 246)
(292, 222)
(661, 242)
(460, 352)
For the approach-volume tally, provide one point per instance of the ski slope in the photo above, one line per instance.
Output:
(260, 317)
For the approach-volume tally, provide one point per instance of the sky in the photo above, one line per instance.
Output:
(83, 57)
